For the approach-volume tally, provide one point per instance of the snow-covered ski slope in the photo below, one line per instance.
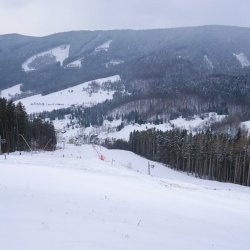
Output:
(11, 92)
(79, 202)
(77, 95)
(191, 125)
(104, 47)
(243, 60)
(75, 64)
(59, 54)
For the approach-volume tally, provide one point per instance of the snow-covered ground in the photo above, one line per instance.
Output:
(77, 95)
(59, 54)
(192, 125)
(75, 64)
(109, 128)
(104, 47)
(208, 62)
(80, 202)
(114, 63)
(246, 125)
(11, 92)
(196, 123)
(243, 60)
(124, 133)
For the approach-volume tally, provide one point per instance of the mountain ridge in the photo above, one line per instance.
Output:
(209, 61)
(128, 29)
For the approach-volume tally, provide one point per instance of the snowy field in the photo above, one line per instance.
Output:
(75, 64)
(59, 54)
(79, 202)
(77, 95)
(193, 125)
(109, 129)
(11, 92)
(103, 47)
(243, 60)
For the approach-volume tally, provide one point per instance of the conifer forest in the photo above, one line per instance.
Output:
(214, 156)
(18, 133)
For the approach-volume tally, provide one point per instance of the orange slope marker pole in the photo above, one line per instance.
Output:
(100, 156)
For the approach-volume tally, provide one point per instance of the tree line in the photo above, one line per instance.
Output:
(20, 133)
(206, 155)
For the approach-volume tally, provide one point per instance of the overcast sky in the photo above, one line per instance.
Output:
(42, 17)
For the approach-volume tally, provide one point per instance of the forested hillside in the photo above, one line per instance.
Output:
(213, 156)
(167, 72)
(163, 73)
(157, 57)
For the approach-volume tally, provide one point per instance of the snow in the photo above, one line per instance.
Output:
(246, 125)
(77, 95)
(109, 128)
(104, 47)
(193, 124)
(243, 60)
(114, 63)
(80, 202)
(60, 53)
(125, 132)
(67, 129)
(208, 62)
(75, 64)
(11, 92)
(196, 123)
(113, 123)
(62, 124)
